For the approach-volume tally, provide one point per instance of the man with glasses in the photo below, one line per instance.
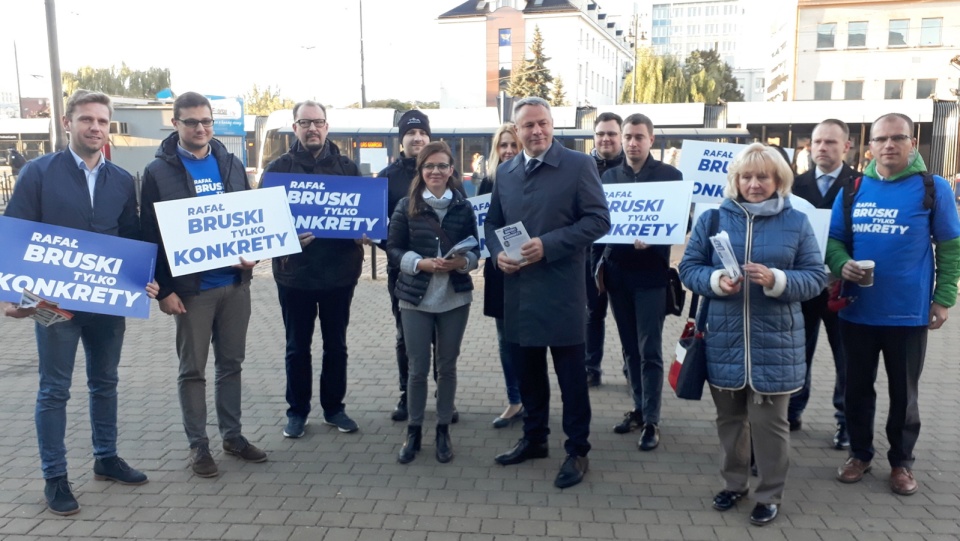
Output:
(897, 209)
(207, 306)
(820, 186)
(316, 283)
(608, 152)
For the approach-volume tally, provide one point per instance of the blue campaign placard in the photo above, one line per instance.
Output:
(334, 207)
(80, 270)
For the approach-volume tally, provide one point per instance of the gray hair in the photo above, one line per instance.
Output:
(308, 103)
(529, 100)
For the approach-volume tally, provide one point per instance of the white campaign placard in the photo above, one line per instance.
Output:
(481, 204)
(652, 212)
(706, 164)
(215, 231)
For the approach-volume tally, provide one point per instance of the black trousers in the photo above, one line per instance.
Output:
(535, 394)
(903, 350)
(814, 311)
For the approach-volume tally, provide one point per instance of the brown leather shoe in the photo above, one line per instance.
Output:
(902, 481)
(852, 470)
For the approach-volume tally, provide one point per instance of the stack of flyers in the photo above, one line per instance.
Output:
(48, 312)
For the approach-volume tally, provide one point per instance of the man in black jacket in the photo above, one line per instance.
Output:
(316, 283)
(820, 186)
(414, 128)
(636, 277)
(207, 306)
(608, 152)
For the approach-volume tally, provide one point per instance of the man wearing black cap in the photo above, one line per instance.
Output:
(414, 127)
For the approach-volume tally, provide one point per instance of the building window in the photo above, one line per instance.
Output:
(926, 88)
(826, 33)
(893, 90)
(898, 33)
(930, 31)
(856, 34)
(822, 90)
(853, 90)
(758, 84)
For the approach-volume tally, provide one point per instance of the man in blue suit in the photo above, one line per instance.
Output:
(556, 193)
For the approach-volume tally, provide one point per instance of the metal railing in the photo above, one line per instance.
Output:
(6, 187)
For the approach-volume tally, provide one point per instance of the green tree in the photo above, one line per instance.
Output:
(125, 81)
(656, 79)
(398, 105)
(264, 101)
(533, 77)
(710, 78)
(559, 96)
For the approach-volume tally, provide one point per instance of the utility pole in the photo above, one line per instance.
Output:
(16, 65)
(363, 84)
(56, 85)
(636, 47)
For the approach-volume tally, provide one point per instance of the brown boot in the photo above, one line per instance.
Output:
(902, 481)
(852, 470)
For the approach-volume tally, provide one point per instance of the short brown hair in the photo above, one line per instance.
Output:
(188, 100)
(636, 119)
(83, 97)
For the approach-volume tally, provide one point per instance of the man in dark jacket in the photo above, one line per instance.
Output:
(78, 188)
(636, 277)
(820, 186)
(318, 282)
(556, 193)
(608, 152)
(414, 128)
(210, 305)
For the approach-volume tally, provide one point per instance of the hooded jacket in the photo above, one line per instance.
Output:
(166, 179)
(324, 263)
(756, 337)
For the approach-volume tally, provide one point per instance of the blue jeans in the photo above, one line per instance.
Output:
(102, 338)
(300, 309)
(510, 374)
(639, 314)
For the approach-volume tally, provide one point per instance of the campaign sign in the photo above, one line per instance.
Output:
(652, 212)
(215, 231)
(81, 270)
(335, 207)
(481, 204)
(706, 164)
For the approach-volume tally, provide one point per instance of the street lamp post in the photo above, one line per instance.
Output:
(363, 85)
(59, 140)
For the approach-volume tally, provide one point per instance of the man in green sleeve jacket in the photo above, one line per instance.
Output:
(914, 284)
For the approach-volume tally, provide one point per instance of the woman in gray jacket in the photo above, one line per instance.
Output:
(754, 327)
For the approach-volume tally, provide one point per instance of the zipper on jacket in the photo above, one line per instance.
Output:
(746, 303)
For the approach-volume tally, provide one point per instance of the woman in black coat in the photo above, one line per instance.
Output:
(434, 288)
(506, 145)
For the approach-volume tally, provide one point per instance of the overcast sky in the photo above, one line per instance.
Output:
(308, 48)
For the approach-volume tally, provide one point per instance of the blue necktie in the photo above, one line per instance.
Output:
(531, 166)
(824, 184)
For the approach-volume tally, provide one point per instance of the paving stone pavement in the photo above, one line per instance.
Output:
(349, 487)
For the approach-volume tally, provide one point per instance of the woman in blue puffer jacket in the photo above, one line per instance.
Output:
(754, 327)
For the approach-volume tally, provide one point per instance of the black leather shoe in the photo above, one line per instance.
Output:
(841, 440)
(524, 450)
(593, 378)
(571, 472)
(764, 513)
(795, 424)
(631, 420)
(400, 412)
(726, 499)
(412, 444)
(649, 438)
(444, 448)
(503, 422)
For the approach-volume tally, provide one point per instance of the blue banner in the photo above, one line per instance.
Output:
(82, 271)
(334, 207)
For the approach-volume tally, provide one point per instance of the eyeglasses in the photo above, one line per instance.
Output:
(442, 167)
(193, 122)
(318, 122)
(895, 138)
(610, 134)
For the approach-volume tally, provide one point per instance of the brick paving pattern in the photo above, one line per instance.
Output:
(349, 487)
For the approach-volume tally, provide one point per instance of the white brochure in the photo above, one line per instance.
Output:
(721, 243)
(512, 237)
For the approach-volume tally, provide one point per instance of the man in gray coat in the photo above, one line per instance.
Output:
(556, 193)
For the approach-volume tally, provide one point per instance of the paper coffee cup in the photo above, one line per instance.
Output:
(866, 266)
